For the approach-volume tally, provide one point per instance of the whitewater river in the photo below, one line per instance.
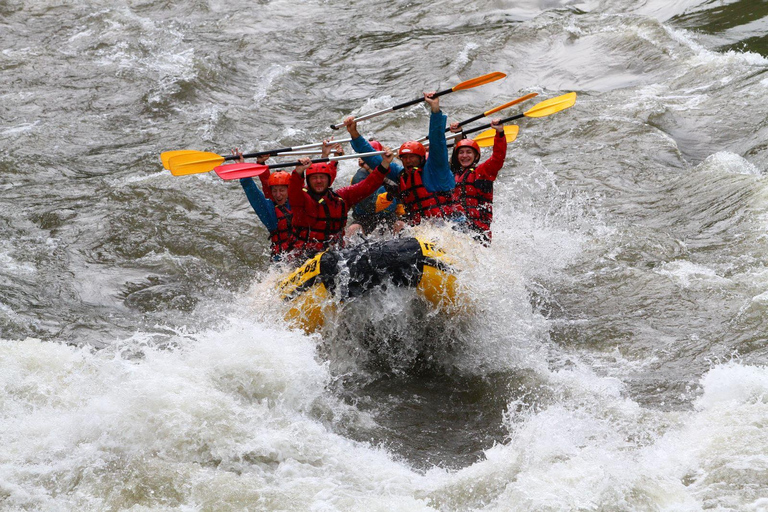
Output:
(614, 354)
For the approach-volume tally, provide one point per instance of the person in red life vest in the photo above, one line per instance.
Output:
(473, 194)
(319, 212)
(272, 208)
(424, 184)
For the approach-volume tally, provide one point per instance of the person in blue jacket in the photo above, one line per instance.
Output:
(272, 208)
(424, 182)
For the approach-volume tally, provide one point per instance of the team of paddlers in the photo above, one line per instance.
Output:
(304, 215)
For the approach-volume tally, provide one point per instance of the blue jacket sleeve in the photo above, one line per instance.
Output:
(361, 145)
(437, 174)
(368, 205)
(263, 207)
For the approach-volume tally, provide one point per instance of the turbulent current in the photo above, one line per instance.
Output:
(614, 354)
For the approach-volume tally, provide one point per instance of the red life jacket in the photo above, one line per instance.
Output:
(282, 237)
(418, 201)
(327, 228)
(475, 197)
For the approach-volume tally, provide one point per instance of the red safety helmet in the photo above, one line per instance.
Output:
(412, 147)
(279, 178)
(376, 145)
(328, 169)
(464, 143)
(468, 143)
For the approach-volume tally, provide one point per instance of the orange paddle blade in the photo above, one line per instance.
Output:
(480, 80)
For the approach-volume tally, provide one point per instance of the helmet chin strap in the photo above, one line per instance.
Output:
(316, 195)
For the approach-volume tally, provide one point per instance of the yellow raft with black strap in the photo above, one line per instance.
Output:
(315, 288)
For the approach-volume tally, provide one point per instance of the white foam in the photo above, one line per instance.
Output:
(704, 56)
(594, 449)
(19, 129)
(234, 415)
(686, 273)
(228, 415)
(463, 57)
(11, 264)
(725, 161)
(724, 440)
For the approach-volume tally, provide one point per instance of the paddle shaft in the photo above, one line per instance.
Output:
(472, 130)
(543, 109)
(275, 152)
(489, 112)
(467, 84)
(461, 134)
(467, 121)
(494, 110)
(392, 109)
(324, 160)
(486, 126)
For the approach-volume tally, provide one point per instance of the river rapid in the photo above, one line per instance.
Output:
(614, 357)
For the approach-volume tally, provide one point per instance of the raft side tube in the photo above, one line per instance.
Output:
(300, 279)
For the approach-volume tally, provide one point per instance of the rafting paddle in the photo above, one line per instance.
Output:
(545, 108)
(167, 155)
(188, 161)
(247, 170)
(486, 138)
(542, 109)
(496, 109)
(467, 84)
(489, 112)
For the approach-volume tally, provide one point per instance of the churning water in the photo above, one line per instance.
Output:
(614, 357)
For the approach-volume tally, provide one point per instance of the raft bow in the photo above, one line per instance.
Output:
(315, 288)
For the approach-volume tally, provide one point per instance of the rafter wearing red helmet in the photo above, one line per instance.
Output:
(319, 212)
(272, 208)
(473, 194)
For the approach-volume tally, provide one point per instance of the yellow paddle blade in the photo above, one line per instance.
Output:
(513, 102)
(382, 202)
(480, 80)
(552, 105)
(192, 163)
(485, 139)
(167, 155)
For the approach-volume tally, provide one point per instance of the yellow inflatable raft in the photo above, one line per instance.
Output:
(314, 289)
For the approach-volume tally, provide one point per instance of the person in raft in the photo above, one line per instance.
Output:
(370, 213)
(319, 212)
(424, 184)
(272, 207)
(473, 194)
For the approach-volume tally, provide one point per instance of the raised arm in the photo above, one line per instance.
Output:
(297, 197)
(361, 145)
(353, 194)
(489, 169)
(263, 207)
(437, 174)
